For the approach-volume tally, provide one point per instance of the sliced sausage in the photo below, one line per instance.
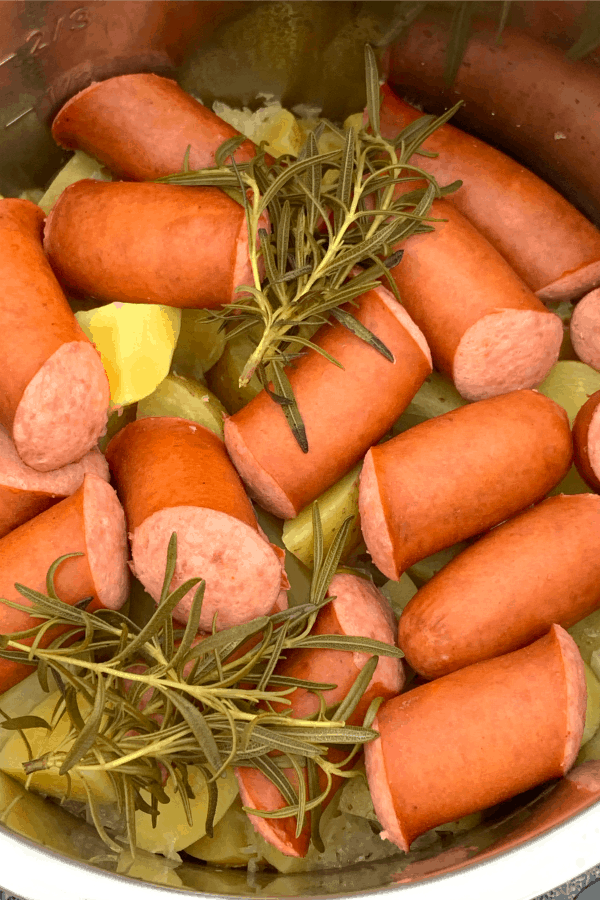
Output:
(549, 243)
(477, 737)
(54, 392)
(586, 442)
(501, 593)
(24, 492)
(344, 411)
(519, 93)
(140, 126)
(91, 521)
(459, 474)
(486, 329)
(358, 609)
(185, 247)
(173, 475)
(585, 329)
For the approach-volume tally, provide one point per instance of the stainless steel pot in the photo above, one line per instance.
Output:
(303, 52)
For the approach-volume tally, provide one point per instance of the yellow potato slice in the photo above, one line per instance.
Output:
(592, 712)
(270, 123)
(42, 741)
(79, 166)
(586, 635)
(179, 396)
(136, 343)
(223, 378)
(233, 841)
(172, 832)
(148, 867)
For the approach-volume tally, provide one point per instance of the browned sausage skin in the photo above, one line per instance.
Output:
(344, 410)
(459, 474)
(459, 745)
(90, 522)
(358, 609)
(174, 476)
(185, 246)
(486, 329)
(520, 93)
(140, 126)
(548, 243)
(539, 568)
(54, 392)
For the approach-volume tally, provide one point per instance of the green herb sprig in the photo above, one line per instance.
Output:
(330, 213)
(158, 702)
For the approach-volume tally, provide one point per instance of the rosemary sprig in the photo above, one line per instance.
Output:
(330, 214)
(157, 701)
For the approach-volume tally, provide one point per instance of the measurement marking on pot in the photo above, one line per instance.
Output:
(7, 58)
(20, 116)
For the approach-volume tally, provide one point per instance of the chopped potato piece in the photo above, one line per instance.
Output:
(79, 166)
(570, 383)
(200, 344)
(48, 781)
(399, 593)
(135, 342)
(592, 713)
(148, 867)
(335, 505)
(173, 833)
(233, 841)
(178, 396)
(223, 378)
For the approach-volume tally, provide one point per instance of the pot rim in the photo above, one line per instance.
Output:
(521, 873)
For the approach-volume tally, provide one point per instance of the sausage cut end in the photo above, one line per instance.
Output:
(64, 408)
(506, 351)
(576, 691)
(106, 542)
(585, 329)
(382, 797)
(572, 285)
(262, 487)
(373, 522)
(242, 573)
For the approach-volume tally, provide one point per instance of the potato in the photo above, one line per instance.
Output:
(223, 377)
(200, 344)
(233, 842)
(148, 867)
(570, 383)
(44, 823)
(399, 593)
(592, 712)
(48, 781)
(425, 569)
(172, 832)
(119, 418)
(586, 635)
(270, 123)
(298, 574)
(179, 396)
(436, 396)
(136, 343)
(79, 166)
(335, 504)
(19, 701)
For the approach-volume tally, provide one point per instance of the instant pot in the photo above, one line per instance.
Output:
(304, 53)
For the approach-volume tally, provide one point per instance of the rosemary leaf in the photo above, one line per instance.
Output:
(21, 722)
(353, 697)
(372, 79)
(362, 332)
(88, 733)
(283, 389)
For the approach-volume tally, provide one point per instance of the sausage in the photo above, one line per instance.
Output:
(24, 493)
(586, 442)
(549, 243)
(486, 329)
(90, 521)
(476, 737)
(54, 392)
(585, 329)
(185, 247)
(140, 126)
(358, 609)
(173, 475)
(344, 411)
(519, 93)
(459, 474)
(501, 593)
